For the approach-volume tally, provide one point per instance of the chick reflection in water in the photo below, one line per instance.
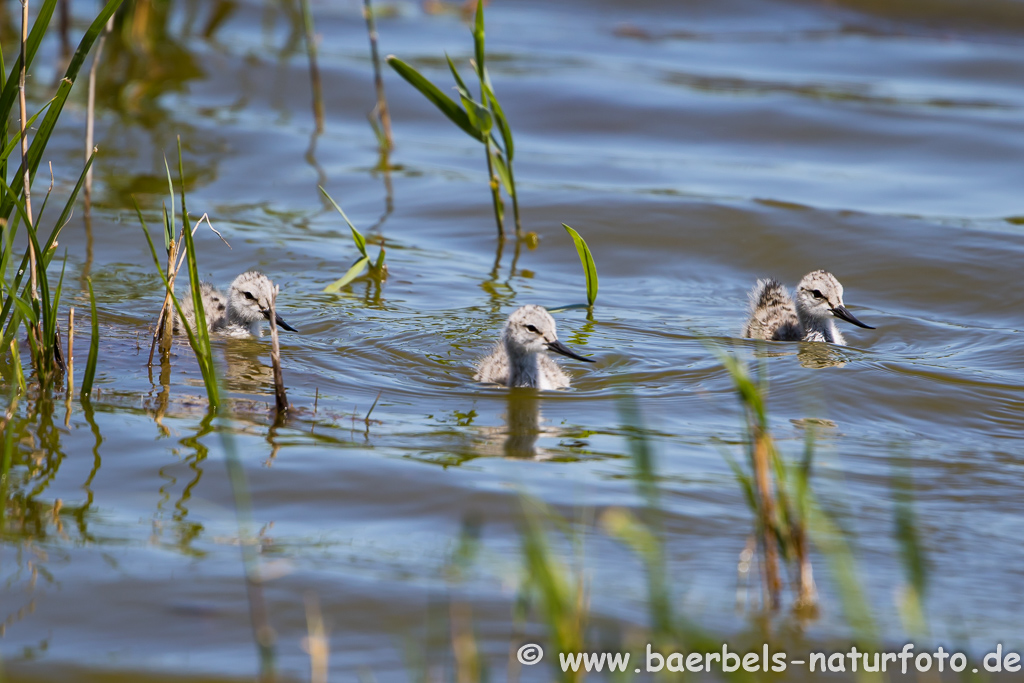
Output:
(523, 422)
(241, 313)
(520, 359)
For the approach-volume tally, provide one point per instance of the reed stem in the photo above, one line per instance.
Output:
(499, 207)
(383, 115)
(275, 357)
(71, 351)
(90, 111)
(314, 70)
(26, 176)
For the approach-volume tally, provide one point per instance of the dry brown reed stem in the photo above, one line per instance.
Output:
(314, 70)
(467, 658)
(90, 111)
(769, 547)
(26, 176)
(381, 110)
(315, 643)
(275, 356)
(808, 592)
(71, 350)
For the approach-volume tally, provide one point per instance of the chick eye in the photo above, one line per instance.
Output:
(249, 296)
(817, 294)
(533, 329)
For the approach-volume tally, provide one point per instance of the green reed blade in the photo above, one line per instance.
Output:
(94, 344)
(503, 173)
(201, 340)
(35, 37)
(357, 236)
(459, 83)
(587, 259)
(26, 310)
(181, 179)
(479, 116)
(501, 122)
(19, 372)
(51, 309)
(478, 39)
(45, 255)
(169, 221)
(349, 276)
(45, 130)
(448, 107)
(193, 338)
(15, 140)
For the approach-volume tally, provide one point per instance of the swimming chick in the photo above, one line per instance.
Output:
(520, 359)
(819, 301)
(241, 313)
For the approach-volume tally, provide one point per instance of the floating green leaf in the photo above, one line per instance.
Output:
(587, 259)
(357, 268)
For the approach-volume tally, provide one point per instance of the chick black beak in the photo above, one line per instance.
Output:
(559, 347)
(279, 321)
(843, 314)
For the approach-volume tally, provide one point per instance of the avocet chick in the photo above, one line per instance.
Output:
(241, 313)
(819, 301)
(520, 359)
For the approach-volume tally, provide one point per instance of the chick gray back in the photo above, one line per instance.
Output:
(214, 307)
(772, 313)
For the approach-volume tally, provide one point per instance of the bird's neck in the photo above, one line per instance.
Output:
(237, 317)
(818, 329)
(523, 367)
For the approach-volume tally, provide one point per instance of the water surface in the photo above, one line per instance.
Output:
(697, 147)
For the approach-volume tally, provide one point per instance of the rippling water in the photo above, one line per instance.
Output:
(697, 146)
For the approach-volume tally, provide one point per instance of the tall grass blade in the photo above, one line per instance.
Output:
(478, 41)
(447, 106)
(460, 85)
(45, 130)
(47, 248)
(503, 172)
(42, 21)
(501, 122)
(94, 344)
(200, 340)
(169, 220)
(587, 259)
(357, 236)
(15, 141)
(19, 373)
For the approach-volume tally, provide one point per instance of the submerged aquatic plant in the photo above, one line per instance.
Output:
(377, 268)
(482, 119)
